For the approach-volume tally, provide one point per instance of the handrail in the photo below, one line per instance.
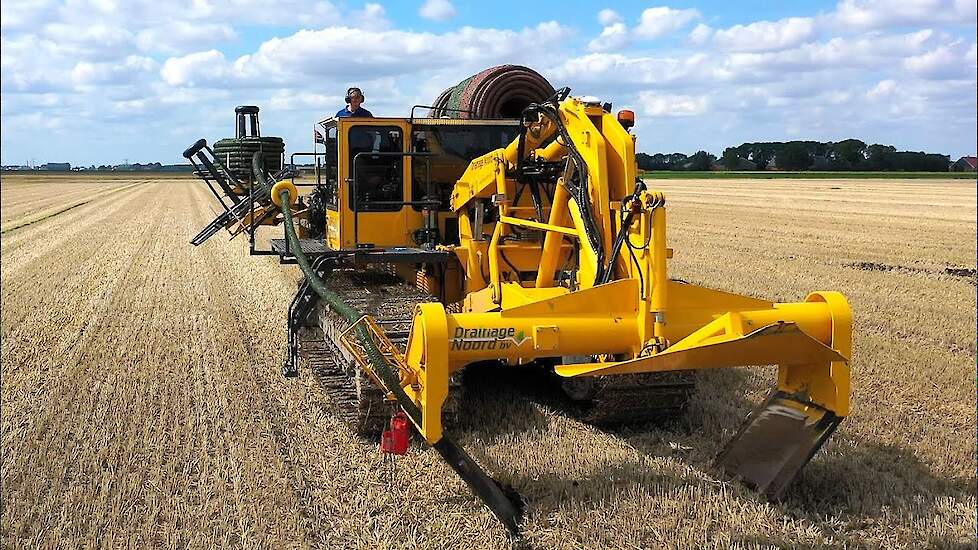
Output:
(305, 154)
(432, 107)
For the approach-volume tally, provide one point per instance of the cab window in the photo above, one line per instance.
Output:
(376, 179)
(452, 149)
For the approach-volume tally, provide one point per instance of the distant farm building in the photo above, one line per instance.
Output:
(965, 164)
(56, 166)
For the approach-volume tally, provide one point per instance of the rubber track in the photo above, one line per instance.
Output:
(390, 301)
(638, 398)
(616, 400)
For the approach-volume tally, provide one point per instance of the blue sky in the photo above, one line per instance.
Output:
(102, 81)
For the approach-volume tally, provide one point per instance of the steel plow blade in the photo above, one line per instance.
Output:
(775, 442)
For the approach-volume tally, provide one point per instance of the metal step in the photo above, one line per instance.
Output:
(310, 247)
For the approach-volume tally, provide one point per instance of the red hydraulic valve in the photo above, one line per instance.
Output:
(396, 439)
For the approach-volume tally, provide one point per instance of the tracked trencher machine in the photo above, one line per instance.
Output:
(514, 230)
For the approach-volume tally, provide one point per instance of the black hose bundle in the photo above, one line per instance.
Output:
(575, 180)
(236, 153)
(344, 310)
(497, 92)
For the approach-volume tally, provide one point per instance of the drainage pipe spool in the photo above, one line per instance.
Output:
(497, 92)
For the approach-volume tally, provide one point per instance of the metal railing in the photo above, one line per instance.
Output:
(432, 107)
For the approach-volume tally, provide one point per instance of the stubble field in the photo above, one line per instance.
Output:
(142, 402)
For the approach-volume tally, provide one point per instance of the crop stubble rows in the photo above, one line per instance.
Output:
(142, 401)
(26, 196)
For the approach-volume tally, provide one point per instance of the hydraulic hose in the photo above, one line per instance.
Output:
(578, 188)
(626, 223)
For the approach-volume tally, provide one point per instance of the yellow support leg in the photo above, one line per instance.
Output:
(427, 357)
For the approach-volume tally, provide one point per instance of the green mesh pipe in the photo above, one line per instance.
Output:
(497, 92)
(349, 314)
(480, 482)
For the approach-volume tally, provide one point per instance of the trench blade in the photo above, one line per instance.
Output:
(507, 509)
(775, 442)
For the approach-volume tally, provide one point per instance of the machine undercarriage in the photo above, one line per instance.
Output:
(603, 401)
(389, 300)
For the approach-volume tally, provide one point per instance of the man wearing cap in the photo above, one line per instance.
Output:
(354, 98)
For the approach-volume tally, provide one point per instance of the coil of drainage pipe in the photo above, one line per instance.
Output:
(236, 153)
(497, 92)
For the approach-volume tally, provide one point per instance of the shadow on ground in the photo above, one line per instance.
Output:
(856, 481)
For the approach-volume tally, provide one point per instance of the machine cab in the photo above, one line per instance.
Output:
(388, 181)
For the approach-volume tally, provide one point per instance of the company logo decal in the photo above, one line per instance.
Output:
(474, 339)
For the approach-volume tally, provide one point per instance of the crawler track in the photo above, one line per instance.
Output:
(390, 301)
(631, 398)
(605, 401)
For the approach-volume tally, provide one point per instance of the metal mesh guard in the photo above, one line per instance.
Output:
(390, 353)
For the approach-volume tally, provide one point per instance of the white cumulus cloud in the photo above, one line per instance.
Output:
(373, 16)
(608, 17)
(187, 70)
(872, 14)
(947, 61)
(289, 100)
(666, 105)
(438, 10)
(346, 53)
(661, 21)
(173, 37)
(766, 35)
(700, 34)
(612, 37)
(882, 89)
(888, 71)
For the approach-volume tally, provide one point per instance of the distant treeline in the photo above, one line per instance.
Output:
(137, 167)
(67, 167)
(850, 154)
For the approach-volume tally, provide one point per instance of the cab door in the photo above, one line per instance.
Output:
(374, 170)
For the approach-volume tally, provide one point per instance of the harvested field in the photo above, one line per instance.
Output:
(142, 402)
(28, 199)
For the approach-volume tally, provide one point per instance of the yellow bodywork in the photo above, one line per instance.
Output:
(519, 306)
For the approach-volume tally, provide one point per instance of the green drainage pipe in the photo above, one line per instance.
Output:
(481, 484)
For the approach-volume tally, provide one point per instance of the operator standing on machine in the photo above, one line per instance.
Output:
(354, 98)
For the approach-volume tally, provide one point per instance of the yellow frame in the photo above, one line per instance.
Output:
(641, 321)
